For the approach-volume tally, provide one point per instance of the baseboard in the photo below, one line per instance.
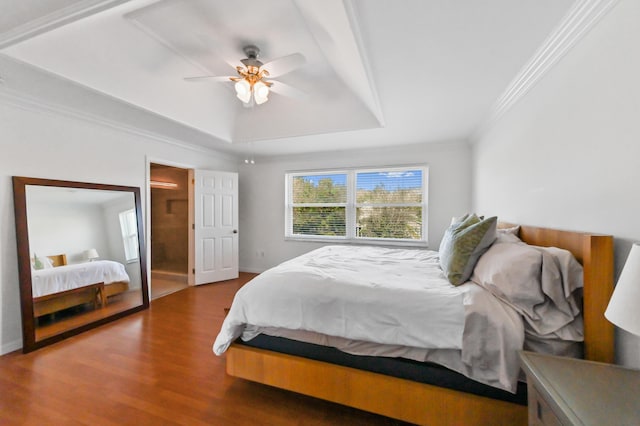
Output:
(10, 347)
(252, 270)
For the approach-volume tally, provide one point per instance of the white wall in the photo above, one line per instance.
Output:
(48, 145)
(69, 228)
(262, 197)
(567, 155)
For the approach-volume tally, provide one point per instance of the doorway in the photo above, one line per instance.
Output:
(169, 229)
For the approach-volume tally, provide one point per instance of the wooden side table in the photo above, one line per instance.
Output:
(568, 391)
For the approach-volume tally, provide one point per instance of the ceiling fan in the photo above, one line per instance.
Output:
(255, 80)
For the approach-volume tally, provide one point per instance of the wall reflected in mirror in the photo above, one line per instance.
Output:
(83, 257)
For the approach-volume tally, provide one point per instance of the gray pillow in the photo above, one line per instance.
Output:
(463, 244)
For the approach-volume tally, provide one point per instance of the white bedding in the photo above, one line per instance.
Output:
(69, 277)
(477, 359)
(394, 297)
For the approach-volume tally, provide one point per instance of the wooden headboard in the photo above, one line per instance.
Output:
(58, 259)
(595, 253)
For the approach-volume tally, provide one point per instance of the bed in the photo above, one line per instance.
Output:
(424, 403)
(58, 285)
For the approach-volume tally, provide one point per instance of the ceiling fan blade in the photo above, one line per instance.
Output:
(284, 64)
(210, 78)
(286, 90)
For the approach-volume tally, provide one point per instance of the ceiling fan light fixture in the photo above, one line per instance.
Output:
(260, 92)
(243, 90)
(253, 82)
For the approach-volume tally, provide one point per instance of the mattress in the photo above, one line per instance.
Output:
(69, 277)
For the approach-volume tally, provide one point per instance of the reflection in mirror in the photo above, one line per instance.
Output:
(81, 262)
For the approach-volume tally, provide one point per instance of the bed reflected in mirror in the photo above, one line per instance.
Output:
(81, 256)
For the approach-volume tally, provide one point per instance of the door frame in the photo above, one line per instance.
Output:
(191, 213)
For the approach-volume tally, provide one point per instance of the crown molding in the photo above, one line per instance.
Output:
(32, 104)
(580, 19)
(58, 18)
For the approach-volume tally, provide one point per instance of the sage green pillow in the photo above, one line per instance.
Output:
(37, 263)
(463, 244)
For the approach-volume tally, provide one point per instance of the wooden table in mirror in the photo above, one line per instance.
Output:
(568, 391)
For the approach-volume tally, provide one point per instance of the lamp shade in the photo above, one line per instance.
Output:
(624, 306)
(92, 254)
(243, 90)
(260, 92)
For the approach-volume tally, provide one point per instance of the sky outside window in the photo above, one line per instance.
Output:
(405, 179)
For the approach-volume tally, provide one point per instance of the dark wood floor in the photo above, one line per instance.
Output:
(154, 367)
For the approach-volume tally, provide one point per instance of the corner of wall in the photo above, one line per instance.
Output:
(10, 347)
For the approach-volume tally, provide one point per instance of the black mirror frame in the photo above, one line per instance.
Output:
(29, 342)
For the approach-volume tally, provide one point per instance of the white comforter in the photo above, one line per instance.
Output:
(395, 297)
(69, 277)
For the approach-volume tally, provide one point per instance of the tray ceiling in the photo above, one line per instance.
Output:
(377, 73)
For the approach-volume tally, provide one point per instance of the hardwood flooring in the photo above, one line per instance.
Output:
(155, 367)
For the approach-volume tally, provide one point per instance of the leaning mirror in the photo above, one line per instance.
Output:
(81, 256)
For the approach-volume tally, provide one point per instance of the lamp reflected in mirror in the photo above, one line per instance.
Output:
(92, 254)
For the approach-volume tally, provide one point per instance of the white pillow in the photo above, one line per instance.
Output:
(511, 272)
(507, 237)
(540, 283)
(46, 263)
(514, 230)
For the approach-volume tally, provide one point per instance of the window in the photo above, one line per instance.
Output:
(369, 205)
(319, 203)
(129, 228)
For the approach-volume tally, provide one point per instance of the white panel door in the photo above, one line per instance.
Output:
(216, 226)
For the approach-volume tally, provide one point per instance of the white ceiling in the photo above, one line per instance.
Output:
(377, 73)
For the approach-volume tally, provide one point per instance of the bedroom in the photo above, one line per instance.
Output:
(563, 156)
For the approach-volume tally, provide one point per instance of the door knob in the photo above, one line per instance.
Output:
(235, 231)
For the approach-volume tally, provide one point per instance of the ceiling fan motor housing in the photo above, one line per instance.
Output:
(252, 53)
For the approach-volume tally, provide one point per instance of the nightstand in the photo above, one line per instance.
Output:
(568, 391)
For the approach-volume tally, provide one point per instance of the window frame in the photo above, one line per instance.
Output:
(289, 205)
(127, 238)
(352, 206)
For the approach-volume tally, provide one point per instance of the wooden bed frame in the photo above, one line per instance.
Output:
(97, 293)
(426, 404)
